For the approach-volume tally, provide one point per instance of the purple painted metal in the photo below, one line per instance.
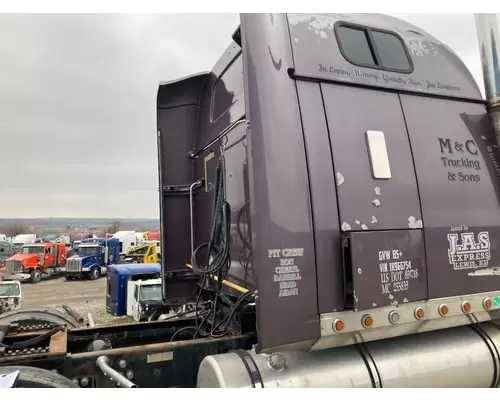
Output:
(299, 176)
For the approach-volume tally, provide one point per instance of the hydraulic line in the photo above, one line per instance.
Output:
(226, 282)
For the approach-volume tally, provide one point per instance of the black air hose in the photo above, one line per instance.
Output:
(219, 244)
(33, 342)
(218, 248)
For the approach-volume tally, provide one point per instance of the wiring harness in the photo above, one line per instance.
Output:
(214, 322)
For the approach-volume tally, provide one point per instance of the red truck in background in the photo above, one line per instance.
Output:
(154, 236)
(34, 261)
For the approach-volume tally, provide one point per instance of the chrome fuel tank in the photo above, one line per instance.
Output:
(467, 357)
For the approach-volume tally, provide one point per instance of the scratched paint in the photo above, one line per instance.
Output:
(346, 226)
(340, 179)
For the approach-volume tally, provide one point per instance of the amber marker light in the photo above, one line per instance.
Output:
(466, 307)
(367, 321)
(338, 325)
(443, 309)
(419, 313)
(487, 303)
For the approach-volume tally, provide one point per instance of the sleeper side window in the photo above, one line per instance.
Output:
(355, 45)
(391, 51)
(373, 48)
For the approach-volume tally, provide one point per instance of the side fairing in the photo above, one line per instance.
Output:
(281, 215)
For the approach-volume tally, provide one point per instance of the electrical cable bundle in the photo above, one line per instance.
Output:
(217, 266)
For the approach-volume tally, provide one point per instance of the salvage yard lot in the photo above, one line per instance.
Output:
(83, 296)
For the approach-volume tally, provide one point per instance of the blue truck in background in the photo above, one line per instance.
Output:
(93, 258)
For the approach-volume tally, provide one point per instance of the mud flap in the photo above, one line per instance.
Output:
(383, 268)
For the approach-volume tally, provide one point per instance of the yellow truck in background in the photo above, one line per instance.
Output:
(146, 253)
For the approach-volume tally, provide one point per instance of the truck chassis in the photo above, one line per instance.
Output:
(143, 353)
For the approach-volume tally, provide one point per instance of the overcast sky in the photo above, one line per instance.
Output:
(77, 103)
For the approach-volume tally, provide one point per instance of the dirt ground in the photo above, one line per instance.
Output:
(82, 295)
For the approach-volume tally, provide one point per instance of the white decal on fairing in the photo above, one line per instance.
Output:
(287, 274)
(464, 252)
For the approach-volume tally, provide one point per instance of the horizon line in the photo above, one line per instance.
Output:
(114, 218)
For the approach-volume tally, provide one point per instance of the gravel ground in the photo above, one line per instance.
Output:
(83, 296)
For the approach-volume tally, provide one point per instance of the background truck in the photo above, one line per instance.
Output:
(128, 240)
(359, 161)
(22, 239)
(144, 300)
(93, 258)
(117, 283)
(154, 236)
(34, 261)
(147, 253)
(11, 296)
(6, 251)
(140, 237)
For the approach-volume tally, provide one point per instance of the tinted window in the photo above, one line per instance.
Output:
(368, 47)
(391, 51)
(355, 45)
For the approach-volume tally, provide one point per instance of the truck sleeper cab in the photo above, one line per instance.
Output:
(128, 240)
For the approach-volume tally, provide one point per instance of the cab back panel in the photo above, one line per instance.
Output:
(378, 216)
(453, 148)
(366, 203)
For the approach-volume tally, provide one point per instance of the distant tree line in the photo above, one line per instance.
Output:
(17, 228)
(14, 229)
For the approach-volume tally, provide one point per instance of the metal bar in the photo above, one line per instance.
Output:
(489, 48)
(71, 311)
(195, 154)
(103, 364)
(232, 285)
(191, 212)
(90, 319)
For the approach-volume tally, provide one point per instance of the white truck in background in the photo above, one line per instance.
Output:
(11, 296)
(22, 239)
(128, 240)
(140, 238)
(66, 239)
(144, 301)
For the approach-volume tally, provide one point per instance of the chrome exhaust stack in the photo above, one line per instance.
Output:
(489, 48)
